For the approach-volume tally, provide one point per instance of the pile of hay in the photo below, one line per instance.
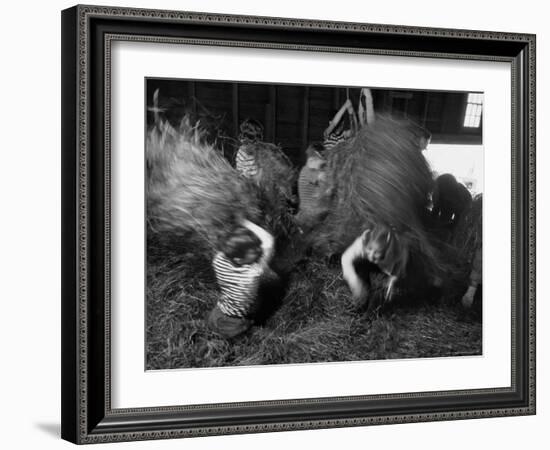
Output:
(379, 177)
(315, 322)
(191, 187)
(216, 127)
(276, 174)
(466, 239)
(276, 180)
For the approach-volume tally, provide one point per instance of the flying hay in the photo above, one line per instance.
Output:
(275, 179)
(379, 177)
(191, 187)
(275, 172)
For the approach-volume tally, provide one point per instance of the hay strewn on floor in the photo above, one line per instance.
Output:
(316, 321)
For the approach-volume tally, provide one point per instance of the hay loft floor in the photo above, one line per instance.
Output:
(315, 321)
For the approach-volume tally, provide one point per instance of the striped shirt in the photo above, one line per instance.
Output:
(333, 140)
(245, 163)
(309, 188)
(239, 284)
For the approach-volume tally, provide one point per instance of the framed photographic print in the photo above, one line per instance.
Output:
(282, 224)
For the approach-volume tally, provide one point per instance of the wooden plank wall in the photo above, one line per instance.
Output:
(294, 115)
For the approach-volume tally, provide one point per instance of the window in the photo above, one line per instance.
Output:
(465, 162)
(472, 117)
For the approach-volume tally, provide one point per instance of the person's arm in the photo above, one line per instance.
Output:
(337, 118)
(265, 237)
(354, 252)
(369, 105)
(475, 280)
(366, 110)
(354, 127)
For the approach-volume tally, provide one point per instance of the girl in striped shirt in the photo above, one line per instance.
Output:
(251, 132)
(240, 264)
(335, 133)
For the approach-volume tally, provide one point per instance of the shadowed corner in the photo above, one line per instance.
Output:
(274, 286)
(53, 429)
(272, 292)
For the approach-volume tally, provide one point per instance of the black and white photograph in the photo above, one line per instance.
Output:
(275, 225)
(290, 224)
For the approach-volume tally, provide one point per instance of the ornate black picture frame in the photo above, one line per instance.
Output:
(87, 34)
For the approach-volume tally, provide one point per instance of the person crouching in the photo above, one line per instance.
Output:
(312, 188)
(240, 265)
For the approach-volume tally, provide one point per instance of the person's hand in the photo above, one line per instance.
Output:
(468, 298)
(366, 92)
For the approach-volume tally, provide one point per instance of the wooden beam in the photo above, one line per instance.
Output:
(387, 102)
(426, 104)
(336, 103)
(305, 117)
(235, 107)
(457, 139)
(273, 113)
(192, 97)
(267, 123)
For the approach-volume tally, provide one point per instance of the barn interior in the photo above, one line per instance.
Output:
(314, 321)
(293, 116)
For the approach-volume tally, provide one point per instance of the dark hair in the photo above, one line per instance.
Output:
(450, 198)
(237, 242)
(251, 131)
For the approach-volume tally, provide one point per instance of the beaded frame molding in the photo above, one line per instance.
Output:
(87, 35)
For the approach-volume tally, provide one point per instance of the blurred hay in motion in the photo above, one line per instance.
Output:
(216, 127)
(191, 186)
(276, 179)
(276, 175)
(380, 176)
(193, 190)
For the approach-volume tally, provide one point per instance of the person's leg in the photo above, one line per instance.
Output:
(475, 280)
(227, 326)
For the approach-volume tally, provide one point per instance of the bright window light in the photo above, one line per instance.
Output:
(472, 117)
(465, 162)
